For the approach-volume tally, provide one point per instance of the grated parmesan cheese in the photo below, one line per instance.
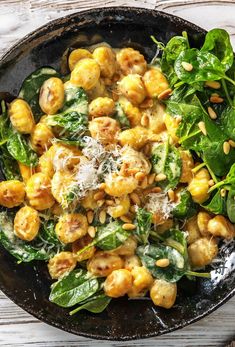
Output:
(159, 203)
(95, 164)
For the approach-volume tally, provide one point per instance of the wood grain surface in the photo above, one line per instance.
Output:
(18, 328)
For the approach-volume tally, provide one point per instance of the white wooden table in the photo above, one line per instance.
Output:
(18, 328)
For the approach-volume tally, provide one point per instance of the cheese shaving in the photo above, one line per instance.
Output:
(159, 203)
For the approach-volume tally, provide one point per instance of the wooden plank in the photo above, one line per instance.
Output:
(18, 328)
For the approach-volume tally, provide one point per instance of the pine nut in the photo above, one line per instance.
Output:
(128, 226)
(216, 99)
(226, 147)
(213, 84)
(144, 120)
(140, 176)
(202, 127)
(165, 94)
(91, 231)
(232, 143)
(160, 177)
(223, 192)
(156, 190)
(110, 202)
(211, 183)
(187, 66)
(133, 209)
(211, 113)
(100, 195)
(125, 219)
(102, 216)
(151, 178)
(135, 199)
(100, 202)
(90, 216)
(162, 262)
(171, 194)
(102, 186)
(144, 183)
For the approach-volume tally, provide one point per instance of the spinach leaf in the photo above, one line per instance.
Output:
(206, 66)
(166, 159)
(143, 223)
(21, 250)
(230, 204)
(30, 88)
(188, 132)
(121, 117)
(110, 236)
(216, 204)
(73, 119)
(149, 254)
(174, 47)
(95, 304)
(228, 122)
(177, 239)
(213, 155)
(229, 180)
(74, 288)
(185, 207)
(21, 151)
(217, 41)
(9, 166)
(47, 235)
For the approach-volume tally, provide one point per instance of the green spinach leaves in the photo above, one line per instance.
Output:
(31, 87)
(166, 160)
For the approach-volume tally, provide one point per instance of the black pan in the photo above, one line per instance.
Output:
(28, 285)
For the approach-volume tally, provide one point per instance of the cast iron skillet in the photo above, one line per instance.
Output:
(28, 285)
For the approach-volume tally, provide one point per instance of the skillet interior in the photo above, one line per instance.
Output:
(27, 285)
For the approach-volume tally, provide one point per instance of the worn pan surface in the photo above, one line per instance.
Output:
(28, 285)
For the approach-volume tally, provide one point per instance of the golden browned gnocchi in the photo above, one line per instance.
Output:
(41, 138)
(106, 60)
(104, 263)
(118, 283)
(199, 186)
(26, 223)
(61, 264)
(142, 281)
(163, 293)
(133, 162)
(202, 251)
(85, 74)
(71, 227)
(104, 129)
(51, 97)
(38, 191)
(131, 61)
(132, 87)
(155, 82)
(79, 244)
(116, 185)
(77, 55)
(132, 112)
(12, 193)
(101, 107)
(21, 116)
(135, 137)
